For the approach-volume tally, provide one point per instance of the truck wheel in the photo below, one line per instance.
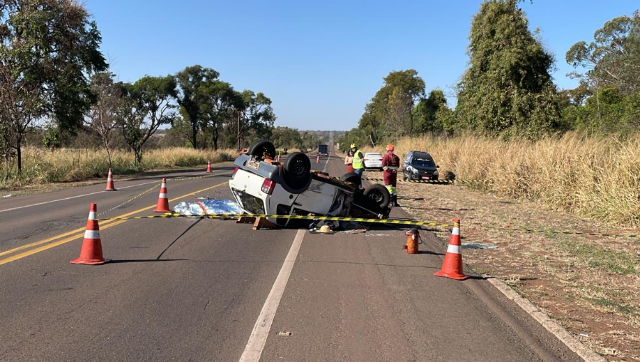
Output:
(352, 178)
(297, 170)
(379, 194)
(258, 148)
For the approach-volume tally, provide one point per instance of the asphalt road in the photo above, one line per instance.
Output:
(211, 290)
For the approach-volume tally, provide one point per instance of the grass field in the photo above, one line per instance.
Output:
(41, 166)
(593, 177)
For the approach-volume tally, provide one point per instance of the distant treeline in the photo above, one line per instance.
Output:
(507, 90)
(56, 91)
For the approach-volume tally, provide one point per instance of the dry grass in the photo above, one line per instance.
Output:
(72, 165)
(597, 178)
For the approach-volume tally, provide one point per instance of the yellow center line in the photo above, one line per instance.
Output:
(49, 246)
(80, 232)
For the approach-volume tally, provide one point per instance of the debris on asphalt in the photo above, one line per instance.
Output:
(284, 333)
(263, 223)
(478, 246)
(354, 231)
(324, 229)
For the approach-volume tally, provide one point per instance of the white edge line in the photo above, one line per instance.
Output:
(77, 196)
(260, 332)
(554, 328)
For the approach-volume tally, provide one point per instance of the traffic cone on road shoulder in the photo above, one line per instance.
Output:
(91, 252)
(452, 264)
(110, 185)
(163, 201)
(208, 166)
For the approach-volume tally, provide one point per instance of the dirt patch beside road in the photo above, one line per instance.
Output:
(589, 284)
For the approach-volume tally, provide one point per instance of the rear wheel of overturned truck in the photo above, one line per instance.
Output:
(379, 194)
(352, 178)
(296, 172)
(259, 148)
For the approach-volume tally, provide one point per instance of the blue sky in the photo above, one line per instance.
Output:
(320, 62)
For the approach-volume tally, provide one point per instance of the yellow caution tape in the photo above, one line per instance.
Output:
(291, 217)
(436, 182)
(370, 221)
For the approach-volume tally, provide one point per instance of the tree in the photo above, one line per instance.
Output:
(216, 100)
(427, 110)
(613, 58)
(507, 88)
(189, 82)
(102, 117)
(147, 104)
(389, 113)
(254, 114)
(47, 48)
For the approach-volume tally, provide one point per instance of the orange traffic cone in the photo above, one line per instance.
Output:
(208, 166)
(452, 264)
(163, 201)
(91, 252)
(318, 159)
(110, 185)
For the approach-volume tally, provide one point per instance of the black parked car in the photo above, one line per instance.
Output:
(419, 166)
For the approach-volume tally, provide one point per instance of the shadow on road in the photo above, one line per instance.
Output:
(143, 260)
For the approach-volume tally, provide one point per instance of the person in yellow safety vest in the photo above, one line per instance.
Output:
(358, 160)
(390, 165)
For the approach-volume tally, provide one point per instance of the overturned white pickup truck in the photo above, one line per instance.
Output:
(263, 186)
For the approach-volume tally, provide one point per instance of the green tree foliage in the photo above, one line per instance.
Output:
(507, 88)
(607, 100)
(256, 117)
(429, 114)
(285, 137)
(613, 58)
(47, 48)
(189, 82)
(612, 112)
(393, 103)
(390, 113)
(217, 101)
(147, 104)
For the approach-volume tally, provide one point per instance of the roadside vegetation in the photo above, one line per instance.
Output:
(592, 177)
(574, 150)
(41, 166)
(67, 100)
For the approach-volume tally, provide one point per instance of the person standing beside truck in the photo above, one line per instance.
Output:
(348, 160)
(358, 160)
(390, 165)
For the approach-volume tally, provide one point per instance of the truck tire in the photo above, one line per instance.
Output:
(379, 194)
(297, 171)
(258, 148)
(352, 178)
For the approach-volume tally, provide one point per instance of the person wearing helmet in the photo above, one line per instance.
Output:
(358, 160)
(390, 165)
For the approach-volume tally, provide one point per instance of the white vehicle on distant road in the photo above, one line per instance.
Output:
(372, 160)
(263, 186)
